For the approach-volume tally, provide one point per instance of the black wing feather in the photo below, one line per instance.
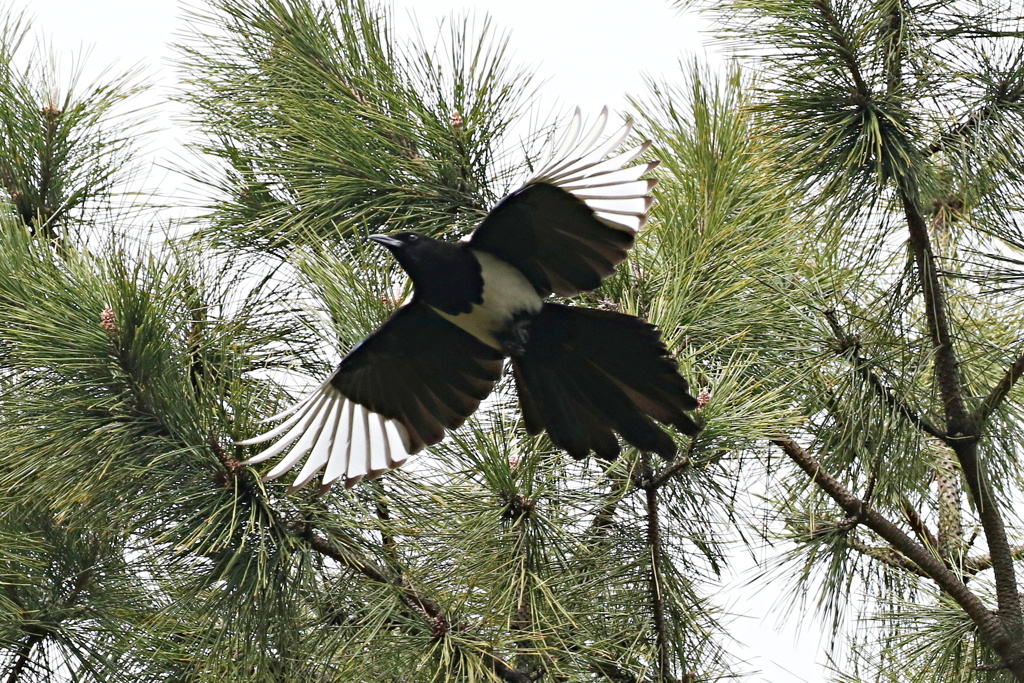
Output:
(554, 238)
(415, 369)
(587, 374)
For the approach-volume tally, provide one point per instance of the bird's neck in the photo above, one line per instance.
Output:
(447, 278)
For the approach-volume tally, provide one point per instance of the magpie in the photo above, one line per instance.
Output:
(582, 375)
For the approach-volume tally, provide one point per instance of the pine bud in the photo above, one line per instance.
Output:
(107, 320)
(703, 398)
(456, 119)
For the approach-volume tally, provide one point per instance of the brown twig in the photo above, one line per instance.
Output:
(849, 55)
(979, 563)
(681, 463)
(426, 608)
(862, 366)
(884, 555)
(921, 530)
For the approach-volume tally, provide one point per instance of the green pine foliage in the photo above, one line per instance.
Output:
(832, 259)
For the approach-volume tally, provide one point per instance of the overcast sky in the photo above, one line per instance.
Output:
(589, 54)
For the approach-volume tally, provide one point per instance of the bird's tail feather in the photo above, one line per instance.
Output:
(587, 374)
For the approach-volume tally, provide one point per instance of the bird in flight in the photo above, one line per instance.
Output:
(583, 375)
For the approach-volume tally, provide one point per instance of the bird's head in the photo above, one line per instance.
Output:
(418, 254)
(402, 241)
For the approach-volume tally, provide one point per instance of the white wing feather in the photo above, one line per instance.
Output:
(580, 164)
(346, 438)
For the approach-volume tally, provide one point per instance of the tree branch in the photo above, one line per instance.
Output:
(999, 393)
(947, 369)
(849, 55)
(979, 563)
(657, 602)
(423, 606)
(862, 366)
(884, 555)
(682, 462)
(963, 432)
(24, 656)
(1004, 95)
(606, 513)
(426, 608)
(921, 529)
(989, 625)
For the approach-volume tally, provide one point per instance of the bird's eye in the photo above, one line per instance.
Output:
(412, 238)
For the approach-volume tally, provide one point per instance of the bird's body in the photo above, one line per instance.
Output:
(582, 375)
(472, 289)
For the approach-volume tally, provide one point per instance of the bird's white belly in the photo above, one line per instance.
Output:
(507, 293)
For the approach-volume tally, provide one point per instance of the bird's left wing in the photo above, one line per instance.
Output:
(569, 226)
(393, 394)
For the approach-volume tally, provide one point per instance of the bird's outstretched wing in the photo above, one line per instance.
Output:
(569, 226)
(393, 394)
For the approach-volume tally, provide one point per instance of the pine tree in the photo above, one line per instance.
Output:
(831, 259)
(897, 128)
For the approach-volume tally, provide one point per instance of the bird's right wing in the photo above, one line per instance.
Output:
(393, 394)
(568, 226)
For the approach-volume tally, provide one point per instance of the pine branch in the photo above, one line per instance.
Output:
(947, 370)
(657, 600)
(848, 342)
(990, 626)
(606, 513)
(921, 530)
(518, 512)
(380, 506)
(681, 463)
(24, 656)
(885, 556)
(979, 563)
(838, 34)
(962, 431)
(1006, 95)
(422, 606)
(998, 393)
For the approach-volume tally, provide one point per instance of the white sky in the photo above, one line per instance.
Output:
(589, 54)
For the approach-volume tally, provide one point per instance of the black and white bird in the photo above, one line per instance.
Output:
(582, 374)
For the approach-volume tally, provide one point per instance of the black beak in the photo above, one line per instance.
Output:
(387, 240)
